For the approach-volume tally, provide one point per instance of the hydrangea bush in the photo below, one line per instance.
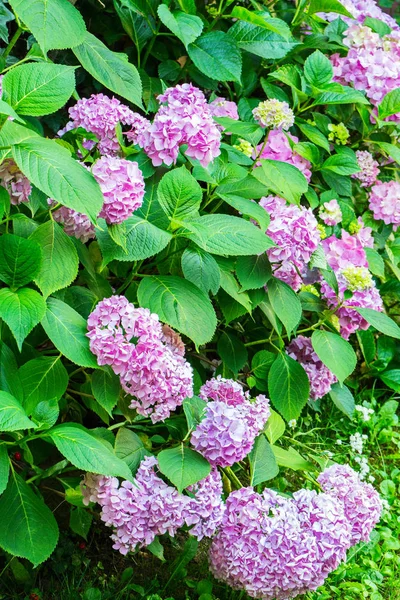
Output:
(199, 209)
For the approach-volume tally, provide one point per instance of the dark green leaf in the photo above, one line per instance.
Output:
(20, 260)
(288, 385)
(253, 271)
(43, 378)
(232, 351)
(285, 303)
(200, 268)
(22, 311)
(263, 466)
(179, 194)
(106, 389)
(335, 353)
(183, 466)
(217, 55)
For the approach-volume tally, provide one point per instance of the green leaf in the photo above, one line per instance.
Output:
(263, 465)
(260, 366)
(46, 413)
(275, 427)
(314, 135)
(12, 415)
(20, 260)
(390, 104)
(130, 448)
(143, 240)
(51, 168)
(9, 378)
(4, 468)
(246, 207)
(392, 150)
(217, 55)
(22, 311)
(261, 42)
(285, 303)
(291, 459)
(318, 69)
(335, 353)
(106, 389)
(180, 304)
(375, 262)
(275, 25)
(186, 27)
(253, 271)
(232, 351)
(112, 69)
(179, 194)
(380, 321)
(5, 16)
(183, 466)
(328, 6)
(231, 286)
(367, 343)
(43, 378)
(80, 521)
(342, 164)
(225, 235)
(38, 89)
(56, 24)
(67, 330)
(200, 268)
(288, 385)
(346, 96)
(282, 179)
(342, 397)
(87, 452)
(60, 261)
(29, 529)
(391, 378)
(5, 109)
(157, 549)
(251, 132)
(377, 26)
(194, 409)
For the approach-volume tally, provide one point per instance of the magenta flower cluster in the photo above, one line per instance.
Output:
(276, 548)
(220, 107)
(384, 201)
(361, 9)
(75, 224)
(278, 147)
(149, 362)
(231, 423)
(369, 168)
(184, 117)
(320, 377)
(15, 182)
(148, 507)
(294, 229)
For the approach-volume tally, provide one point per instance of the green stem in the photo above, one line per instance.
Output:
(117, 425)
(231, 475)
(12, 43)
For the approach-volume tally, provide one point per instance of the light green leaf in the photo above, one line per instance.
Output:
(232, 351)
(5, 109)
(45, 413)
(51, 168)
(22, 311)
(263, 465)
(275, 427)
(231, 286)
(183, 466)
(143, 240)
(186, 27)
(194, 409)
(391, 378)
(29, 529)
(318, 69)
(4, 468)
(375, 262)
(379, 320)
(314, 135)
(179, 194)
(392, 150)
(43, 378)
(246, 207)
(20, 260)
(67, 330)
(9, 377)
(335, 353)
(180, 304)
(288, 385)
(60, 261)
(38, 89)
(86, 452)
(346, 96)
(390, 104)
(260, 366)
(200, 268)
(106, 389)
(130, 448)
(12, 415)
(56, 24)
(285, 303)
(253, 271)
(217, 55)
(112, 69)
(261, 42)
(291, 459)
(342, 397)
(282, 179)
(227, 235)
(342, 164)
(328, 6)
(275, 25)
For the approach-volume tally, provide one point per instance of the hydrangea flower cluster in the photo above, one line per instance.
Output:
(330, 212)
(274, 114)
(362, 233)
(220, 107)
(231, 422)
(276, 548)
(100, 115)
(148, 507)
(149, 363)
(244, 146)
(339, 134)
(369, 168)
(15, 182)
(295, 231)
(278, 147)
(384, 201)
(372, 63)
(184, 117)
(361, 9)
(75, 224)
(320, 377)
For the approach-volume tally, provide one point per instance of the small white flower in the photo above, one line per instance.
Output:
(365, 412)
(339, 442)
(292, 423)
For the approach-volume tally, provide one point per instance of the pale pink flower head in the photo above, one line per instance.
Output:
(15, 182)
(369, 168)
(344, 252)
(384, 201)
(330, 212)
(278, 148)
(320, 377)
(75, 224)
(220, 107)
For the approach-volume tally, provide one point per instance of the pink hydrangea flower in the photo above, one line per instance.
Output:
(384, 201)
(230, 425)
(362, 504)
(223, 390)
(220, 107)
(75, 224)
(320, 377)
(150, 368)
(344, 252)
(369, 168)
(294, 229)
(274, 114)
(122, 184)
(15, 182)
(360, 9)
(205, 511)
(278, 148)
(362, 233)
